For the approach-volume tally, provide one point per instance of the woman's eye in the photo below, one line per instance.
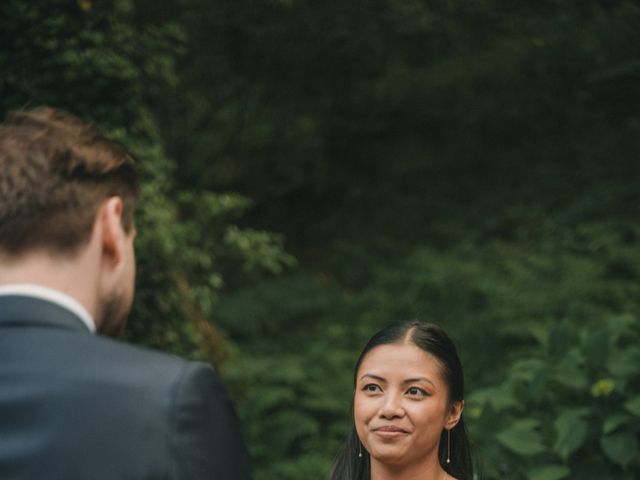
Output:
(416, 392)
(371, 387)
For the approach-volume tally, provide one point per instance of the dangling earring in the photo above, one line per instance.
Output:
(359, 449)
(449, 446)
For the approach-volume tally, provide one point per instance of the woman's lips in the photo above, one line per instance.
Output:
(390, 431)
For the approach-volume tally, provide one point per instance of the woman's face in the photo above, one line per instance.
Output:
(401, 404)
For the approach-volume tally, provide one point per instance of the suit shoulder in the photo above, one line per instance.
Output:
(142, 365)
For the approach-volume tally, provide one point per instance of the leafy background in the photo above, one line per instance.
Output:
(315, 170)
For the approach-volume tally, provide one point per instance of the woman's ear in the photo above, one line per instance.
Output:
(455, 412)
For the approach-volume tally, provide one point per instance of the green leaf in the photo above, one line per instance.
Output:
(624, 362)
(559, 339)
(522, 438)
(620, 448)
(612, 422)
(571, 432)
(526, 424)
(500, 398)
(633, 405)
(603, 387)
(527, 369)
(570, 372)
(596, 346)
(549, 472)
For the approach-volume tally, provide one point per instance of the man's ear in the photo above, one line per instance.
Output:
(455, 412)
(113, 234)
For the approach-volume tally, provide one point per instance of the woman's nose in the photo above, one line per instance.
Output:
(392, 407)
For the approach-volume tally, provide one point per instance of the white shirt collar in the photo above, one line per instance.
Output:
(53, 296)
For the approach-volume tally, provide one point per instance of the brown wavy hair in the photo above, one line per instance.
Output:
(55, 172)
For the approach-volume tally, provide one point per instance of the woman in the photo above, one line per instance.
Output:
(408, 403)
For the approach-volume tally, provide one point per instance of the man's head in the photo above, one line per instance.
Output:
(65, 190)
(55, 172)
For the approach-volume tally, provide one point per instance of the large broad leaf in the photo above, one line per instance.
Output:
(549, 472)
(625, 362)
(613, 422)
(499, 398)
(570, 371)
(522, 438)
(571, 432)
(633, 405)
(620, 448)
(527, 369)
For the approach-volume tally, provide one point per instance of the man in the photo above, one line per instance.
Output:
(73, 404)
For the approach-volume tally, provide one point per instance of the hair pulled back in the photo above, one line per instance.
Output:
(433, 340)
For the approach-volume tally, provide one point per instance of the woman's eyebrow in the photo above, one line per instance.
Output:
(375, 377)
(419, 379)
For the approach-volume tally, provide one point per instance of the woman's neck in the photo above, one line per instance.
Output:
(417, 471)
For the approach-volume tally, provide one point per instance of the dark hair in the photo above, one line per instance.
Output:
(55, 171)
(432, 339)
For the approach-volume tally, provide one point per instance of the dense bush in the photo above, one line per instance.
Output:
(92, 60)
(569, 408)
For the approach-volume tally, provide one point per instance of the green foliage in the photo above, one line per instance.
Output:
(551, 286)
(459, 162)
(577, 429)
(468, 163)
(293, 391)
(475, 289)
(407, 120)
(94, 61)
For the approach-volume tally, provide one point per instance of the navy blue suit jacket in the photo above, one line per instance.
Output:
(74, 405)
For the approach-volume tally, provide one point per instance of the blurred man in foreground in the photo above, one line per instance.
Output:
(73, 404)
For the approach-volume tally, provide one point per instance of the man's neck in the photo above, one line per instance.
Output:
(69, 277)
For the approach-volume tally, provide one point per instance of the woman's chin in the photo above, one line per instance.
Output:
(388, 455)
